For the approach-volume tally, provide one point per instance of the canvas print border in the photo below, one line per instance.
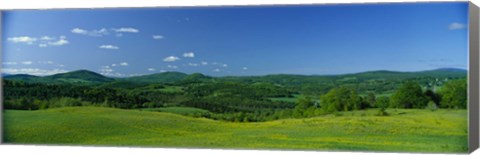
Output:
(472, 75)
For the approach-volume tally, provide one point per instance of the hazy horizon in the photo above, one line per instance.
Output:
(4, 74)
(238, 41)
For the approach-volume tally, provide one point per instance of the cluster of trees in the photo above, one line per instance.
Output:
(376, 82)
(410, 94)
(453, 95)
(256, 91)
(35, 104)
(19, 95)
(239, 102)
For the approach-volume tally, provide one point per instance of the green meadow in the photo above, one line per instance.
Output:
(383, 111)
(405, 130)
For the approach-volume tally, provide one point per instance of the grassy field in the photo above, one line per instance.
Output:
(404, 131)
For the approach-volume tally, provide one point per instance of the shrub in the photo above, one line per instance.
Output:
(432, 106)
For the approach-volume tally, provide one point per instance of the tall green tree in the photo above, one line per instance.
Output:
(409, 95)
(340, 99)
(454, 94)
(371, 99)
(382, 103)
(432, 96)
(302, 105)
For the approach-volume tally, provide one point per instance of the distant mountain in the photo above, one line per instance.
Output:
(165, 77)
(446, 71)
(80, 76)
(89, 77)
(392, 75)
(289, 79)
(450, 70)
(23, 77)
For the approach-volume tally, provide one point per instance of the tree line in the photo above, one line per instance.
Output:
(410, 95)
(234, 101)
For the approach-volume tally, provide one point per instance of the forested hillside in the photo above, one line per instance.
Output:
(243, 98)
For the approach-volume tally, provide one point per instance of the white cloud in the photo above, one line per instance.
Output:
(126, 30)
(157, 37)
(100, 32)
(79, 31)
(456, 26)
(204, 63)
(120, 31)
(33, 71)
(189, 55)
(94, 33)
(110, 47)
(136, 74)
(61, 65)
(106, 70)
(103, 31)
(60, 42)
(224, 65)
(151, 69)
(46, 38)
(216, 70)
(22, 39)
(45, 62)
(245, 68)
(110, 72)
(163, 71)
(42, 42)
(193, 64)
(113, 65)
(9, 63)
(27, 62)
(171, 59)
(117, 74)
(172, 66)
(124, 64)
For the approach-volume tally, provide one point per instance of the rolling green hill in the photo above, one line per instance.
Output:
(196, 77)
(165, 77)
(86, 77)
(291, 79)
(442, 131)
(79, 77)
(393, 75)
(21, 77)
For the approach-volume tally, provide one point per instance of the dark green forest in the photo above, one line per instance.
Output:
(243, 98)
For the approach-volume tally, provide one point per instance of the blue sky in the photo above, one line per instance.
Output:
(254, 40)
